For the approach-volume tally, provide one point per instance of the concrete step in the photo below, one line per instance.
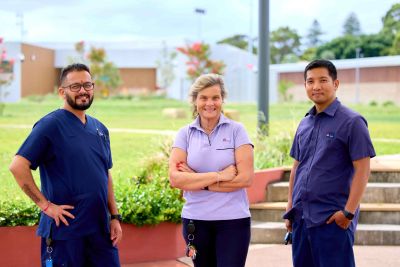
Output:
(375, 192)
(376, 176)
(371, 213)
(366, 234)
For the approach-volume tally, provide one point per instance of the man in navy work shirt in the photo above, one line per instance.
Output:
(331, 150)
(79, 223)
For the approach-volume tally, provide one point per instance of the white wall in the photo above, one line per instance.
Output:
(14, 89)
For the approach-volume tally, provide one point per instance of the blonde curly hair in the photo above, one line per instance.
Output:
(202, 82)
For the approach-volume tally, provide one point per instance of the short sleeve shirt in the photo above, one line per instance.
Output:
(213, 153)
(326, 144)
(73, 159)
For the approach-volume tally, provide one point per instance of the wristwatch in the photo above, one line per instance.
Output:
(348, 214)
(116, 217)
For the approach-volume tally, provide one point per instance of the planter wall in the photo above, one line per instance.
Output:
(256, 192)
(20, 246)
(151, 243)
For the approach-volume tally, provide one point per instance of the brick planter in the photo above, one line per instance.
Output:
(20, 246)
(256, 192)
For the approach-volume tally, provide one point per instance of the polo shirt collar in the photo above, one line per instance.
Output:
(196, 122)
(330, 110)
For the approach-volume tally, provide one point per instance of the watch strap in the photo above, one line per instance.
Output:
(116, 217)
(348, 214)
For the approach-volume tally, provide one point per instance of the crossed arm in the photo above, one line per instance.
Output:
(230, 179)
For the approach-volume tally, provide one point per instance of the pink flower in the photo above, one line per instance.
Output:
(182, 50)
(197, 47)
(191, 71)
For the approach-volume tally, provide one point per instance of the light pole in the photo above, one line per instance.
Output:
(20, 23)
(200, 12)
(250, 71)
(263, 66)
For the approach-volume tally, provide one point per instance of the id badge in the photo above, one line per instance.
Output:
(49, 263)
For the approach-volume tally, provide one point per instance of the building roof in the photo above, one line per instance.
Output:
(367, 62)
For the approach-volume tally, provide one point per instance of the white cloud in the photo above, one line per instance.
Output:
(74, 20)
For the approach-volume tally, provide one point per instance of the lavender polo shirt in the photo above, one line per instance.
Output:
(212, 153)
(326, 144)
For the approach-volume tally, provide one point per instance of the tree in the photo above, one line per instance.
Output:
(283, 87)
(391, 20)
(395, 49)
(314, 34)
(309, 54)
(341, 47)
(199, 61)
(166, 67)
(351, 25)
(6, 75)
(284, 42)
(376, 45)
(105, 74)
(240, 41)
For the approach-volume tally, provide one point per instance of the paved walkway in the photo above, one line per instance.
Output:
(280, 256)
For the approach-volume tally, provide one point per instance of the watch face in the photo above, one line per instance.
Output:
(348, 215)
(116, 217)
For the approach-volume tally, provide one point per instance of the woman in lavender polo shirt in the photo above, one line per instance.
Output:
(212, 161)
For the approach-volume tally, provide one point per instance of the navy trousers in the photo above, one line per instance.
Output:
(222, 243)
(327, 245)
(95, 250)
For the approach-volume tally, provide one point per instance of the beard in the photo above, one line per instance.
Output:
(83, 106)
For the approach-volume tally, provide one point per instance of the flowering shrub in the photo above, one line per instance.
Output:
(105, 74)
(6, 67)
(199, 60)
(6, 74)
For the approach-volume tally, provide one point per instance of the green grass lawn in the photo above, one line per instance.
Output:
(130, 150)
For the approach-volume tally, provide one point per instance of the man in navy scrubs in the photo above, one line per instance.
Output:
(331, 150)
(79, 224)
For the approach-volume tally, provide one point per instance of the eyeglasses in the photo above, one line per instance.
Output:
(75, 87)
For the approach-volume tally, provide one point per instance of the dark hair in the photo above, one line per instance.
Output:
(71, 68)
(321, 63)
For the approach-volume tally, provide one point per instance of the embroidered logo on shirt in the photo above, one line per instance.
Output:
(100, 133)
(330, 135)
(226, 140)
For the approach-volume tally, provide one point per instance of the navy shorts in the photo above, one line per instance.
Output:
(95, 250)
(326, 245)
(220, 243)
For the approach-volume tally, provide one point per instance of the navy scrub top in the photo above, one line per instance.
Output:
(74, 159)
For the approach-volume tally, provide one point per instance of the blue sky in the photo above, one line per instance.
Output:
(175, 20)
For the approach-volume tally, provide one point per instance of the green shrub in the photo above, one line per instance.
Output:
(388, 104)
(147, 199)
(150, 203)
(18, 211)
(273, 150)
(373, 103)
